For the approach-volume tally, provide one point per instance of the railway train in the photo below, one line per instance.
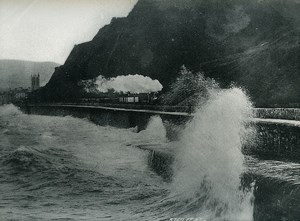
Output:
(142, 98)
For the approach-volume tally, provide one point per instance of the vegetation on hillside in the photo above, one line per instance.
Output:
(189, 89)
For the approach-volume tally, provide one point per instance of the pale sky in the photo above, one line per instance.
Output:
(47, 30)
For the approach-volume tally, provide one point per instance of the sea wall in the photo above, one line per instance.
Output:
(278, 113)
(273, 138)
(116, 117)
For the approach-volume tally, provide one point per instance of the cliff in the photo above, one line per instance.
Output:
(254, 44)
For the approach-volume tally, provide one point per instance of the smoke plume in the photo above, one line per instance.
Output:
(128, 83)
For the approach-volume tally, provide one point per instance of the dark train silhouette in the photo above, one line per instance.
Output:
(142, 98)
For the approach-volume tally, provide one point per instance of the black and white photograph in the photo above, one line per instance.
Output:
(149, 110)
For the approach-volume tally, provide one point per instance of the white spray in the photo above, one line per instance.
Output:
(155, 132)
(209, 162)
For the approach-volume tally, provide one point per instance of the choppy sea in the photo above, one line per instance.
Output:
(64, 168)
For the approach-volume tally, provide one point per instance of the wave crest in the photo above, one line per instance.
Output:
(209, 162)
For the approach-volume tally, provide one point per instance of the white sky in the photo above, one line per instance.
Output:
(47, 30)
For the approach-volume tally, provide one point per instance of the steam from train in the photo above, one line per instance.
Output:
(128, 83)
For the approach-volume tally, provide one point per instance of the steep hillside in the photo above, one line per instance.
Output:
(16, 73)
(254, 44)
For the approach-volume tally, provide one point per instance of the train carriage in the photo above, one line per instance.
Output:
(145, 98)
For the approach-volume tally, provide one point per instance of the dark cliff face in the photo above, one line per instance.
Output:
(252, 43)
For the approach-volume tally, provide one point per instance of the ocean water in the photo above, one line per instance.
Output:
(64, 168)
